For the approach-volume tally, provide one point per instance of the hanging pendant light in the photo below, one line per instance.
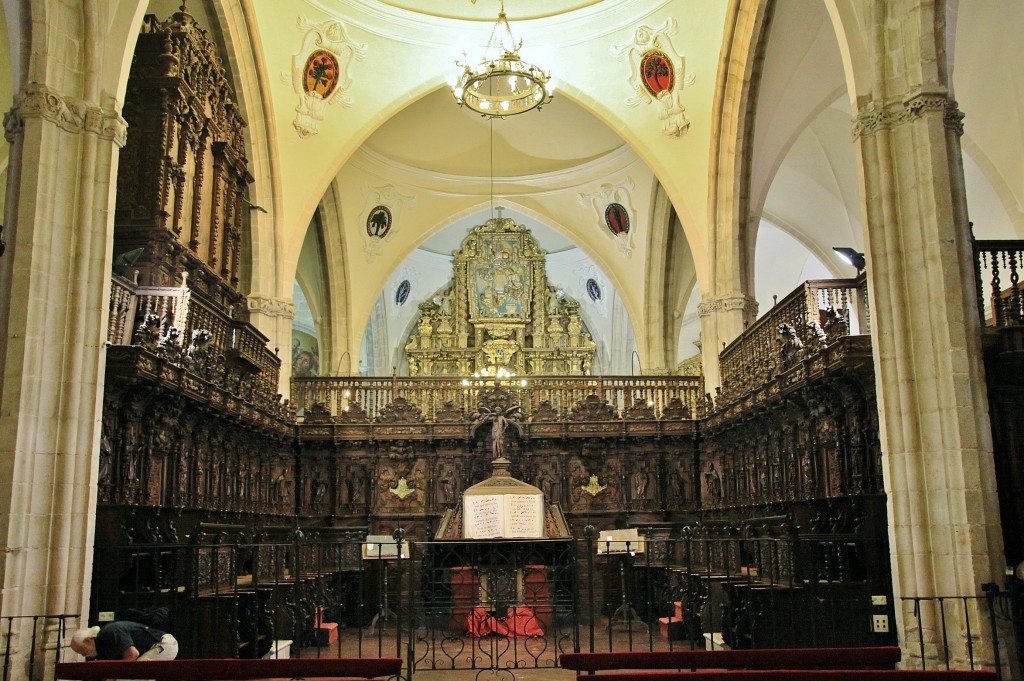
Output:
(502, 84)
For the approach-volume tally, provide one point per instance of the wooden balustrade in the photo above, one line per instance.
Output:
(122, 311)
(556, 395)
(180, 307)
(998, 266)
(814, 315)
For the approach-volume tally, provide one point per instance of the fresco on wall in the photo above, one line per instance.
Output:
(305, 355)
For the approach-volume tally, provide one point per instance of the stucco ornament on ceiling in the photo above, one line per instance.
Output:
(658, 74)
(390, 200)
(599, 202)
(320, 71)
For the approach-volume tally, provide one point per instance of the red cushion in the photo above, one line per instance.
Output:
(872, 657)
(231, 668)
(803, 675)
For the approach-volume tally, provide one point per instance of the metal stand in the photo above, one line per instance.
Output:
(625, 614)
(380, 618)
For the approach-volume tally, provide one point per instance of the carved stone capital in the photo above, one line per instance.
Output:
(272, 307)
(727, 303)
(876, 116)
(68, 113)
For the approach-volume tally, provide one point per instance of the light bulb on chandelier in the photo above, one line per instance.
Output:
(502, 84)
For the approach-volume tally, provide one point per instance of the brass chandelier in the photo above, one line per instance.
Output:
(502, 84)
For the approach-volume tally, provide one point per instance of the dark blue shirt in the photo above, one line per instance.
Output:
(117, 637)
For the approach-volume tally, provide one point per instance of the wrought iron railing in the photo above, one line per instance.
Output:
(998, 268)
(30, 639)
(560, 393)
(511, 605)
(988, 627)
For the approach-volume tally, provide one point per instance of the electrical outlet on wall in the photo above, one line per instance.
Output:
(880, 624)
(107, 616)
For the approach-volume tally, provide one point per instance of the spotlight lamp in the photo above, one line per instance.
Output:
(851, 256)
(502, 84)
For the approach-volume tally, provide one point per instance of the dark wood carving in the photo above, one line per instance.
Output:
(183, 171)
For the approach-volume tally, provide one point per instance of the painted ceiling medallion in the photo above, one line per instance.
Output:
(402, 293)
(616, 218)
(614, 212)
(320, 74)
(320, 71)
(378, 222)
(658, 74)
(593, 290)
(383, 206)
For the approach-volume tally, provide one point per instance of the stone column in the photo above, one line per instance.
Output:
(54, 290)
(722, 320)
(273, 317)
(944, 530)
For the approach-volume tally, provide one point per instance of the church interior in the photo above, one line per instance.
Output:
(322, 328)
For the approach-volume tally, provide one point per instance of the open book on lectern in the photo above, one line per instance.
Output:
(503, 516)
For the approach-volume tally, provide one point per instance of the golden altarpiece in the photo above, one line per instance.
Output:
(500, 313)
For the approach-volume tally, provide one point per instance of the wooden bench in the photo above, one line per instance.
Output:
(230, 669)
(803, 675)
(873, 657)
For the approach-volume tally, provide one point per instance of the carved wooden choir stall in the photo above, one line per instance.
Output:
(216, 499)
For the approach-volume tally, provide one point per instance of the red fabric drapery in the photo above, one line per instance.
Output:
(519, 621)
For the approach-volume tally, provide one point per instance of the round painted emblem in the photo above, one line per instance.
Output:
(402, 293)
(657, 72)
(616, 218)
(378, 222)
(321, 73)
(593, 290)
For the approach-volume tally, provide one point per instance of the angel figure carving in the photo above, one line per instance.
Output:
(658, 74)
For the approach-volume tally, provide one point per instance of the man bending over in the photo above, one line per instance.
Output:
(124, 640)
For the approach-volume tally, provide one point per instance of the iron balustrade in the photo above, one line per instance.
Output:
(508, 605)
(993, 625)
(38, 641)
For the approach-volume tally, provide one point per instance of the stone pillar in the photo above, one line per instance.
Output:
(944, 530)
(722, 320)
(273, 317)
(54, 291)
